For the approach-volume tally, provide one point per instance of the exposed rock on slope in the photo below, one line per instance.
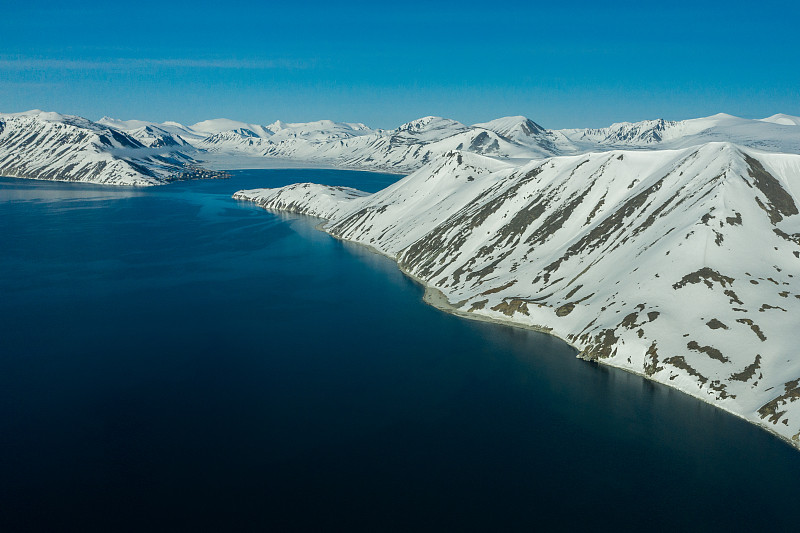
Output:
(681, 265)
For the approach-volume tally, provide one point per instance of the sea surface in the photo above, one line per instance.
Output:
(172, 359)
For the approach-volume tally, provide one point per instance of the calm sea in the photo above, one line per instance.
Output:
(171, 359)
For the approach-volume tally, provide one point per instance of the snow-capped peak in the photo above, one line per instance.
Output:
(430, 123)
(123, 125)
(723, 116)
(513, 127)
(220, 125)
(782, 119)
(50, 116)
(276, 126)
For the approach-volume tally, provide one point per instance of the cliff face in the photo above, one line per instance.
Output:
(680, 265)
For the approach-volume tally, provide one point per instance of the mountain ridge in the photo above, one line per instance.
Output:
(46, 145)
(225, 143)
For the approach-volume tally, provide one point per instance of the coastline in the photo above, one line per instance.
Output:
(224, 163)
(142, 185)
(248, 162)
(436, 298)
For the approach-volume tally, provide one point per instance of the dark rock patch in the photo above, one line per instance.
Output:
(705, 275)
(770, 409)
(712, 352)
(716, 324)
(749, 371)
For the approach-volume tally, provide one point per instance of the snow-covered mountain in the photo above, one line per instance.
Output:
(428, 129)
(681, 265)
(51, 146)
(774, 134)
(415, 143)
(526, 132)
(181, 134)
(224, 143)
(349, 145)
(149, 135)
(784, 120)
(320, 130)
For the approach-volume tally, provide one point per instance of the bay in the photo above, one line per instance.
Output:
(171, 358)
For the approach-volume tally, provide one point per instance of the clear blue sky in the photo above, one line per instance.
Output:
(569, 65)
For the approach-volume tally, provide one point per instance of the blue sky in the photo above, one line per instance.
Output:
(580, 64)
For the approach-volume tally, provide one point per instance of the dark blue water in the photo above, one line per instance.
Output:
(171, 359)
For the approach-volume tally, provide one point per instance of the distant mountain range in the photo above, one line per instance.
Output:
(46, 145)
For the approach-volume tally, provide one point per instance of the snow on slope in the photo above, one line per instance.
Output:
(322, 201)
(643, 133)
(429, 129)
(226, 143)
(46, 145)
(153, 135)
(124, 125)
(680, 265)
(320, 130)
(514, 128)
(649, 134)
(415, 143)
(181, 134)
(526, 132)
(403, 150)
(219, 125)
(785, 120)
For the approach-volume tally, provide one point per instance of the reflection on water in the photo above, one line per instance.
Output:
(171, 356)
(23, 190)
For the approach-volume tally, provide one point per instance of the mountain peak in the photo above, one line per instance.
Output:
(430, 123)
(50, 116)
(513, 127)
(782, 119)
(276, 126)
(220, 125)
(123, 124)
(723, 116)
